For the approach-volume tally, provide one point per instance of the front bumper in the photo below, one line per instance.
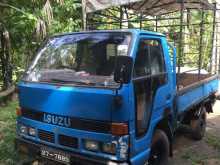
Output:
(32, 151)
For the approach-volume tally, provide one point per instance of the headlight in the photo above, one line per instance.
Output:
(32, 131)
(23, 129)
(109, 148)
(91, 145)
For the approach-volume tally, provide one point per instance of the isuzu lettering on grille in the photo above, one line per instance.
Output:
(57, 120)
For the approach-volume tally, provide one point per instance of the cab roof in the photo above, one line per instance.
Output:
(132, 31)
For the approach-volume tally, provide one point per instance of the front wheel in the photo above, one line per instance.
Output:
(159, 149)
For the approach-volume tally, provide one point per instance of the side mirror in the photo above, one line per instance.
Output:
(123, 69)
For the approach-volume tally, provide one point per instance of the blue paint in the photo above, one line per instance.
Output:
(98, 104)
(196, 95)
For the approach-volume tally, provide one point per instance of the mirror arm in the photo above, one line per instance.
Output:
(118, 98)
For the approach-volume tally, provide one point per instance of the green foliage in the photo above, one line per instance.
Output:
(30, 22)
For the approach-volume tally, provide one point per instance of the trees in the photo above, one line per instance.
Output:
(5, 57)
(23, 26)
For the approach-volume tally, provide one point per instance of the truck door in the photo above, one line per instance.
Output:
(149, 81)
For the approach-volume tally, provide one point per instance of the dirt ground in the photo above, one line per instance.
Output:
(204, 152)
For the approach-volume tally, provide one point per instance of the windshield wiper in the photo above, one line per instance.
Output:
(72, 81)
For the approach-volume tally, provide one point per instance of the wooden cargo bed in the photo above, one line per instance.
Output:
(193, 89)
(186, 79)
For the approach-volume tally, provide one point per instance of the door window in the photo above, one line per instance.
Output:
(149, 75)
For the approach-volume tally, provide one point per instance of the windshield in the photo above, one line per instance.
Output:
(81, 58)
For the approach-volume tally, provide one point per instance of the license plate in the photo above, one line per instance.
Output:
(55, 155)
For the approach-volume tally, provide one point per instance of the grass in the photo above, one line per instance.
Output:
(7, 133)
(194, 157)
(213, 141)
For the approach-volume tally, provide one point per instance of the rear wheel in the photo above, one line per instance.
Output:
(198, 125)
(159, 149)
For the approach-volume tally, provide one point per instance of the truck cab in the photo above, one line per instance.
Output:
(98, 97)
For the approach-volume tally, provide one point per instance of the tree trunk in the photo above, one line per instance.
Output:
(5, 58)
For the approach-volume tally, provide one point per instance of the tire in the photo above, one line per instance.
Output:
(198, 126)
(159, 149)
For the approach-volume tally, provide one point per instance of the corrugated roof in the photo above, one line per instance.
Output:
(159, 7)
(149, 7)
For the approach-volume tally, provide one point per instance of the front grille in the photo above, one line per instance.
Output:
(68, 141)
(46, 136)
(75, 123)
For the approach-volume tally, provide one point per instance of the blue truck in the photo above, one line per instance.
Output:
(109, 97)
